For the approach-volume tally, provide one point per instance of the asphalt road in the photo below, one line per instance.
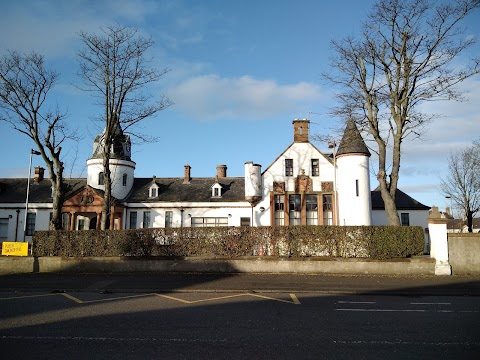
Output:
(213, 316)
(320, 284)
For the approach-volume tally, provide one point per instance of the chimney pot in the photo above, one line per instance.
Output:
(186, 177)
(222, 171)
(39, 174)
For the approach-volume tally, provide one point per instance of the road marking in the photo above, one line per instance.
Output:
(382, 310)
(294, 301)
(78, 301)
(357, 302)
(91, 338)
(431, 303)
(27, 296)
(75, 299)
(400, 342)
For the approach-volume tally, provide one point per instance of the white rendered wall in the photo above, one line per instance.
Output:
(16, 221)
(353, 208)
(117, 169)
(253, 180)
(157, 213)
(301, 154)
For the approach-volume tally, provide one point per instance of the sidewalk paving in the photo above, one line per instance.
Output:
(278, 283)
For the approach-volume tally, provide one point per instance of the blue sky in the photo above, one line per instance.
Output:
(241, 71)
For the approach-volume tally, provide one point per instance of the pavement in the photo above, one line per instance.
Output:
(254, 283)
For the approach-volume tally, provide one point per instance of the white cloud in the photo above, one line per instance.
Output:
(52, 27)
(211, 97)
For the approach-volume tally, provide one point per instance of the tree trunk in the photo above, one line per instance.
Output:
(107, 197)
(470, 220)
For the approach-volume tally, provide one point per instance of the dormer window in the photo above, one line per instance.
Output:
(153, 191)
(216, 190)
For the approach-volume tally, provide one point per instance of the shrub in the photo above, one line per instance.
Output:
(376, 242)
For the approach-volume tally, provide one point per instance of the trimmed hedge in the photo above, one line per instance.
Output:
(376, 242)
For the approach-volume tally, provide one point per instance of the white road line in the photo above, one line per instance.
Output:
(119, 339)
(432, 303)
(356, 302)
(400, 342)
(382, 310)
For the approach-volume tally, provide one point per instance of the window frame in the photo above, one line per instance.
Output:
(168, 218)
(209, 221)
(30, 225)
(4, 222)
(133, 216)
(327, 209)
(405, 219)
(288, 167)
(146, 219)
(279, 209)
(101, 178)
(295, 209)
(315, 164)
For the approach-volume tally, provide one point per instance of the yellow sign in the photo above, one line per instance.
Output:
(15, 248)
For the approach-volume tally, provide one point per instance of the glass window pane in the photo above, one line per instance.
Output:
(3, 229)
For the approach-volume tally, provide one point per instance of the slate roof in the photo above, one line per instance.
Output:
(14, 190)
(169, 190)
(352, 142)
(197, 190)
(402, 200)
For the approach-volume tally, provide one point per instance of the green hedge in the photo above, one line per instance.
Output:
(376, 242)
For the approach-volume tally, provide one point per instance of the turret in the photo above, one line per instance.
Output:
(122, 168)
(253, 183)
(353, 178)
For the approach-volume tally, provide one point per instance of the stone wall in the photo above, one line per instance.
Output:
(464, 253)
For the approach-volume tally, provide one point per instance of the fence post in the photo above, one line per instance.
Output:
(437, 228)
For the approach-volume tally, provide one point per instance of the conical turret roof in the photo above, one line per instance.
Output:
(352, 142)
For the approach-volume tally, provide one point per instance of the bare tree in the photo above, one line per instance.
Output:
(114, 66)
(462, 182)
(25, 84)
(406, 55)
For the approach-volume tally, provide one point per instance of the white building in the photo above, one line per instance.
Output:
(301, 186)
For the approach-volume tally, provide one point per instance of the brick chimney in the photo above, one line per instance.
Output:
(300, 130)
(39, 173)
(222, 171)
(186, 176)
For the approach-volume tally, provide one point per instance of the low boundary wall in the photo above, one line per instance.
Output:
(410, 266)
(464, 253)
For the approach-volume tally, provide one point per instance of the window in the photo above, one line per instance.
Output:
(168, 218)
(288, 167)
(315, 167)
(64, 221)
(209, 221)
(101, 178)
(327, 210)
(279, 201)
(295, 209)
(30, 224)
(81, 224)
(216, 190)
(356, 187)
(153, 192)
(3, 229)
(312, 209)
(146, 219)
(405, 219)
(133, 220)
(124, 180)
(244, 221)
